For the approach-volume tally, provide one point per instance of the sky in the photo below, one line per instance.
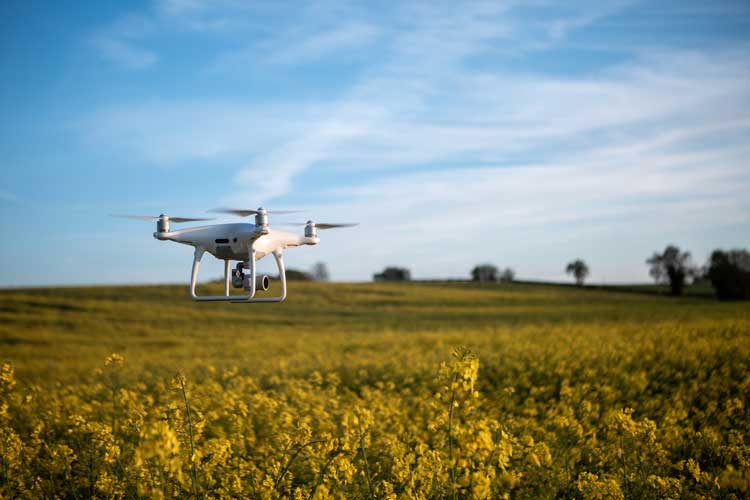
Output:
(522, 134)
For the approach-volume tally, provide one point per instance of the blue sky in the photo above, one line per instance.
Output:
(524, 134)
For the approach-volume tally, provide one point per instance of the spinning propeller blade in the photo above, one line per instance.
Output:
(156, 217)
(245, 213)
(334, 226)
(323, 225)
(138, 217)
(186, 219)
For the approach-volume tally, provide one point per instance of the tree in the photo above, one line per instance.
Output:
(484, 272)
(729, 273)
(672, 266)
(508, 275)
(320, 272)
(578, 269)
(393, 274)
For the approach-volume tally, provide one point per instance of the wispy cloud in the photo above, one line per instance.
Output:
(344, 41)
(121, 42)
(209, 16)
(413, 111)
(125, 54)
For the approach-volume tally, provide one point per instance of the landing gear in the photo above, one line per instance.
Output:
(237, 278)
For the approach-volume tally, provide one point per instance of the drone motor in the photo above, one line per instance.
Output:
(310, 230)
(261, 220)
(162, 224)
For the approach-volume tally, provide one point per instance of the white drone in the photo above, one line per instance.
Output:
(243, 242)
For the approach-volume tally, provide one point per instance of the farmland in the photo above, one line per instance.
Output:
(418, 390)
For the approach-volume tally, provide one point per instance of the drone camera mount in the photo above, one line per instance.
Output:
(241, 280)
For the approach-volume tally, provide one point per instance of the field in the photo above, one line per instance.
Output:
(374, 391)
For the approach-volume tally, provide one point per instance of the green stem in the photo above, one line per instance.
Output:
(114, 410)
(364, 458)
(450, 440)
(193, 476)
(334, 454)
(291, 459)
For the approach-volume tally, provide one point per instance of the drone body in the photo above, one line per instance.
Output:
(242, 242)
(234, 241)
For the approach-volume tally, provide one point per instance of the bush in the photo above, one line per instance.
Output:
(484, 272)
(393, 274)
(508, 275)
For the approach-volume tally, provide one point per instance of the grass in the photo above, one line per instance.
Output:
(63, 333)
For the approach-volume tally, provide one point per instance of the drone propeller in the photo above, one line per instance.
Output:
(157, 217)
(323, 225)
(246, 213)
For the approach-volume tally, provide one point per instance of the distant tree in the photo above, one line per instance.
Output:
(729, 273)
(296, 275)
(578, 269)
(672, 266)
(393, 274)
(320, 272)
(484, 272)
(508, 275)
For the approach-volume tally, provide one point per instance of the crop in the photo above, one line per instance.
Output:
(373, 391)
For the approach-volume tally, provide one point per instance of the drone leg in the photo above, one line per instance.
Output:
(227, 273)
(279, 256)
(252, 273)
(194, 276)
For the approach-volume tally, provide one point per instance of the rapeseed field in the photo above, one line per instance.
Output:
(377, 391)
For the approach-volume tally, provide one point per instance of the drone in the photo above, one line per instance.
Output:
(243, 242)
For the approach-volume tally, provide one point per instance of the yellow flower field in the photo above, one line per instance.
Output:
(373, 391)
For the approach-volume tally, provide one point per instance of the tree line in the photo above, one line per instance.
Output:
(727, 271)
